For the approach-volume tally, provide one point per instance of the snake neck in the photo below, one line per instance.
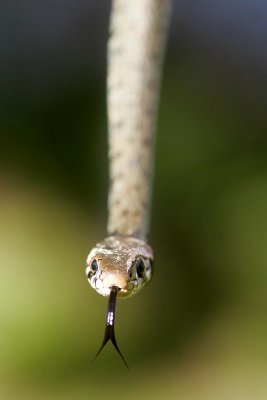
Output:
(135, 51)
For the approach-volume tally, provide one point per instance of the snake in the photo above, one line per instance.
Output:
(122, 263)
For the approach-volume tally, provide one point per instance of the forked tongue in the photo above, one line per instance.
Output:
(110, 331)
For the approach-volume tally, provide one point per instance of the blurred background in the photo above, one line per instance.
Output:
(198, 331)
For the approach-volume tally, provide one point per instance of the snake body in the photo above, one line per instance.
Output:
(121, 264)
(135, 53)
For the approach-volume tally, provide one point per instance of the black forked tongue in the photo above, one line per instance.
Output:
(110, 332)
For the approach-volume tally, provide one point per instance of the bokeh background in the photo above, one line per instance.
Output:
(198, 331)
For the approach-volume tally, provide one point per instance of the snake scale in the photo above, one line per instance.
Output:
(122, 263)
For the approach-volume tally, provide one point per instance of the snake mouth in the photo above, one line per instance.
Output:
(114, 279)
(109, 280)
(105, 291)
(105, 281)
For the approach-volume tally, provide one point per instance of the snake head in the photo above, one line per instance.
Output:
(120, 261)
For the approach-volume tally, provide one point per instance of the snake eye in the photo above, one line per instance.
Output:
(94, 265)
(140, 268)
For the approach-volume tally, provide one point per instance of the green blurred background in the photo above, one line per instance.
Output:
(198, 331)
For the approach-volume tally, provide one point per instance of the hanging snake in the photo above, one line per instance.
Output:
(121, 264)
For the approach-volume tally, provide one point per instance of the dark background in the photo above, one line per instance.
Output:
(198, 331)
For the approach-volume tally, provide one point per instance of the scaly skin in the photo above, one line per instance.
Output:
(135, 52)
